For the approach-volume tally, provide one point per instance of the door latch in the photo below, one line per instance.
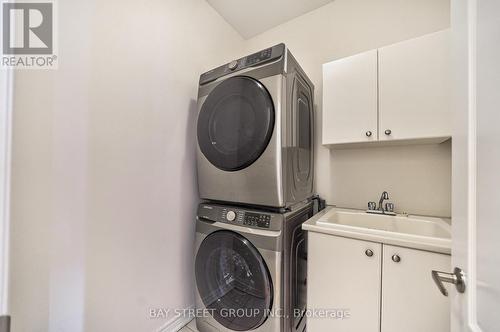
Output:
(456, 278)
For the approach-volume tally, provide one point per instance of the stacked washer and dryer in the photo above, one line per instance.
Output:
(255, 175)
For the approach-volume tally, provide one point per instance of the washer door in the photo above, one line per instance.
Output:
(235, 123)
(233, 281)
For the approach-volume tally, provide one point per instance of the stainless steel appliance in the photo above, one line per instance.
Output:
(251, 268)
(255, 131)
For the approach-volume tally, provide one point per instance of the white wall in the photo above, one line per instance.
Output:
(343, 28)
(417, 177)
(103, 185)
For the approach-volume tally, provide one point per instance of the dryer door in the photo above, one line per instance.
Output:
(233, 281)
(300, 166)
(235, 123)
(302, 129)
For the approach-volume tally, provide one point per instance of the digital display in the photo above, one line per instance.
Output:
(258, 57)
(257, 219)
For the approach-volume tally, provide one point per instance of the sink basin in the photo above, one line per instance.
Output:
(398, 224)
(425, 233)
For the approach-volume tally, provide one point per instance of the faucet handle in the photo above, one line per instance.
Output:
(372, 206)
(389, 207)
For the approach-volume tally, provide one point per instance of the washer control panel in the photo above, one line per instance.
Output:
(257, 219)
(234, 216)
(246, 218)
(237, 216)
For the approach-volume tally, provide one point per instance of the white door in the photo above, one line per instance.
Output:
(5, 139)
(414, 88)
(344, 277)
(476, 164)
(350, 99)
(407, 283)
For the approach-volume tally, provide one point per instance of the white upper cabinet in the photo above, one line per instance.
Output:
(414, 88)
(398, 93)
(350, 99)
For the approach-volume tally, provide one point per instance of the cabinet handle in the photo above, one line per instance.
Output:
(368, 133)
(396, 258)
(388, 132)
(369, 252)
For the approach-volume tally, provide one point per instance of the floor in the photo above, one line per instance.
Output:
(191, 327)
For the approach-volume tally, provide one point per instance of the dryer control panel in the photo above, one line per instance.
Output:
(256, 59)
(239, 216)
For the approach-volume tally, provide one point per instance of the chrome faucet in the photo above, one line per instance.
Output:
(383, 197)
(389, 207)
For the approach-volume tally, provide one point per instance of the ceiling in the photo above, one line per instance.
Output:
(253, 17)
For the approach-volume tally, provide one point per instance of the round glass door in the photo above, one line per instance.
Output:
(235, 123)
(233, 281)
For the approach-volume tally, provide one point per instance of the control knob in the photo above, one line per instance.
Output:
(231, 215)
(233, 64)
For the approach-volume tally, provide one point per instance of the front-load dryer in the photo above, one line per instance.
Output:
(251, 268)
(255, 131)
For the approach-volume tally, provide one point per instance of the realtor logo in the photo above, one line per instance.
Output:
(28, 34)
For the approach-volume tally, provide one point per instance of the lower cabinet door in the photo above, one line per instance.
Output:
(344, 284)
(411, 302)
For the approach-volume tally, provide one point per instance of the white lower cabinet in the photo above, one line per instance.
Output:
(379, 287)
(411, 301)
(343, 278)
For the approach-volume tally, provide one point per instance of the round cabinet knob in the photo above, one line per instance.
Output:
(233, 64)
(388, 132)
(396, 258)
(368, 133)
(231, 215)
(369, 252)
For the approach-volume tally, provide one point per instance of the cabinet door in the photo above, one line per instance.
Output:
(411, 302)
(343, 278)
(414, 88)
(350, 99)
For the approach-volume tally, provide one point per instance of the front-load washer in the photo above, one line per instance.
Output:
(255, 131)
(251, 269)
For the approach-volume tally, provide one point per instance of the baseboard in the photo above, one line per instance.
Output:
(175, 324)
